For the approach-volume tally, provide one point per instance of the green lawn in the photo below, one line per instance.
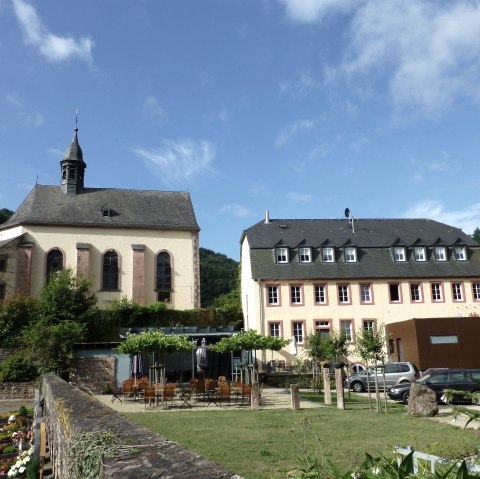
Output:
(267, 444)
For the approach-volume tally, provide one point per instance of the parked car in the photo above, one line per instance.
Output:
(439, 380)
(395, 373)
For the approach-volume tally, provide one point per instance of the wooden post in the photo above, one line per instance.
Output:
(255, 399)
(295, 397)
(327, 398)
(339, 388)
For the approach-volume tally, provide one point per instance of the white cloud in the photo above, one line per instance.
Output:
(178, 161)
(288, 132)
(53, 47)
(14, 99)
(309, 11)
(301, 198)
(240, 211)
(301, 87)
(429, 51)
(35, 119)
(151, 109)
(467, 219)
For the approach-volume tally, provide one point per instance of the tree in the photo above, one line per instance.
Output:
(370, 346)
(5, 215)
(16, 313)
(327, 348)
(476, 235)
(218, 275)
(65, 305)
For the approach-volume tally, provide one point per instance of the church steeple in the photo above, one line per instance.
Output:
(72, 167)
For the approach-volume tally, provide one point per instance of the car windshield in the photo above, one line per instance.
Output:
(424, 378)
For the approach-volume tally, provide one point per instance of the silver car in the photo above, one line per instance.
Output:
(395, 373)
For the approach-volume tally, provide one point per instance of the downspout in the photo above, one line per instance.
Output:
(262, 317)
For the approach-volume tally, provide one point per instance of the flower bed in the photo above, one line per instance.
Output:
(16, 447)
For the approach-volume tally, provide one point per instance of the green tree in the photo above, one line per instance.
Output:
(16, 313)
(5, 215)
(218, 275)
(65, 305)
(327, 348)
(476, 235)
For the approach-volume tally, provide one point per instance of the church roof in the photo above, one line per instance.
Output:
(149, 209)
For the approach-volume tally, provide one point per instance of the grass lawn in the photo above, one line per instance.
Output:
(267, 444)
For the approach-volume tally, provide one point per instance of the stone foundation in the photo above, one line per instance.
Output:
(69, 412)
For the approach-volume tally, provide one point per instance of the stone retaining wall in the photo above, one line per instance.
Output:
(17, 390)
(93, 374)
(68, 412)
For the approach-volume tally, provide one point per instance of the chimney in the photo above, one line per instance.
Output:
(267, 217)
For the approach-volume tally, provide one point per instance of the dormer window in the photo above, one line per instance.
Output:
(282, 255)
(440, 253)
(350, 254)
(106, 210)
(420, 253)
(328, 254)
(399, 253)
(460, 253)
(305, 255)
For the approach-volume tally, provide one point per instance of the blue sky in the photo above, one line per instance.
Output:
(299, 107)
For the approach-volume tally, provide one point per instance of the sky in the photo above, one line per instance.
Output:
(299, 107)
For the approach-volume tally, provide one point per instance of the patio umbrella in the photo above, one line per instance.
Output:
(198, 357)
(136, 366)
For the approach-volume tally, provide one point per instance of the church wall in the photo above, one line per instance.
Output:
(179, 244)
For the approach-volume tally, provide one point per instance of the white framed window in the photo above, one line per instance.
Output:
(350, 254)
(305, 255)
(395, 290)
(322, 327)
(420, 253)
(282, 255)
(343, 294)
(328, 254)
(399, 253)
(416, 293)
(296, 296)
(298, 331)
(457, 291)
(460, 253)
(369, 325)
(440, 253)
(437, 293)
(346, 327)
(476, 291)
(273, 297)
(321, 294)
(274, 329)
(366, 296)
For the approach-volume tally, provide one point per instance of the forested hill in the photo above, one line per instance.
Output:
(5, 214)
(218, 275)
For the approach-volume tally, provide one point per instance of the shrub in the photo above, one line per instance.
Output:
(15, 368)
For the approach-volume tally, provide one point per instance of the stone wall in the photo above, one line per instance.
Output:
(92, 374)
(17, 390)
(68, 412)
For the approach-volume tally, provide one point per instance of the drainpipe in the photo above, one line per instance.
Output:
(262, 317)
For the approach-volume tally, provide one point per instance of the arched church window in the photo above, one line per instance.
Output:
(54, 261)
(110, 271)
(164, 277)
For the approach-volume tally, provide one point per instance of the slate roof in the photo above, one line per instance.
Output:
(373, 238)
(149, 209)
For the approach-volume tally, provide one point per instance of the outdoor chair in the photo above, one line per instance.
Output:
(168, 395)
(200, 389)
(117, 392)
(224, 395)
(246, 393)
(128, 390)
(149, 396)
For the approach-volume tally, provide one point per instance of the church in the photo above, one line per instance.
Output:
(139, 244)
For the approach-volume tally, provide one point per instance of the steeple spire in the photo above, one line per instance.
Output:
(72, 166)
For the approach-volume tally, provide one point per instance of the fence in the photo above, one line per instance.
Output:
(421, 460)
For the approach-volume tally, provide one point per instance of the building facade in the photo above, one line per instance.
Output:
(141, 244)
(318, 276)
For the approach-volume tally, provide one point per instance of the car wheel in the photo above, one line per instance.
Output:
(405, 397)
(476, 401)
(404, 382)
(357, 386)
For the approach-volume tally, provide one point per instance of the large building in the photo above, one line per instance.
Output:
(140, 244)
(316, 276)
